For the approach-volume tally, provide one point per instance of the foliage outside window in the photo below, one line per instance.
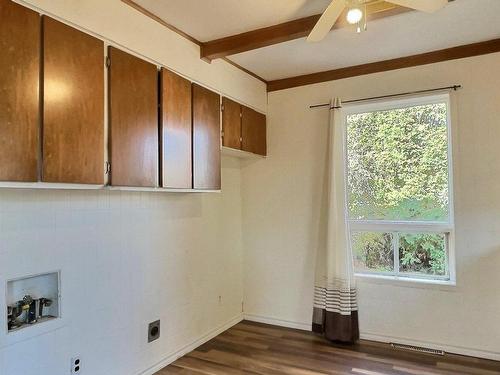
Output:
(398, 187)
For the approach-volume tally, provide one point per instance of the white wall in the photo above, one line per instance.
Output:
(127, 258)
(282, 201)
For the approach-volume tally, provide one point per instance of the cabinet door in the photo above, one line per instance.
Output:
(133, 121)
(231, 124)
(176, 129)
(73, 105)
(253, 131)
(19, 93)
(206, 139)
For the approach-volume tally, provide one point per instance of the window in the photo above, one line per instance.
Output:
(399, 192)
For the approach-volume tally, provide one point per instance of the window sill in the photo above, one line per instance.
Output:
(446, 285)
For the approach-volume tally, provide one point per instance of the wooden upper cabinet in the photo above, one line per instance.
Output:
(253, 131)
(176, 131)
(73, 105)
(231, 123)
(133, 120)
(206, 139)
(19, 92)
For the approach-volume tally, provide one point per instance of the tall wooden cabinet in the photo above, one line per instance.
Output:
(133, 120)
(73, 105)
(19, 92)
(206, 139)
(176, 131)
(163, 130)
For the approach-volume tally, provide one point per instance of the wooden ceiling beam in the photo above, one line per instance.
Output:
(284, 32)
(468, 50)
(259, 38)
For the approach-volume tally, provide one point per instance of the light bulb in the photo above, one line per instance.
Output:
(354, 15)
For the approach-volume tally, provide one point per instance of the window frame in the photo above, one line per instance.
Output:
(396, 227)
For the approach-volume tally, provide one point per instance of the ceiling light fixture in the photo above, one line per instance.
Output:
(354, 15)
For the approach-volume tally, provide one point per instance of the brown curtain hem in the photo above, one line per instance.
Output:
(337, 327)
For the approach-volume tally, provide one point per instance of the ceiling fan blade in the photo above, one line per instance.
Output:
(327, 20)
(429, 6)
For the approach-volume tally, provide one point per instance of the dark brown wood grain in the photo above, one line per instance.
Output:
(19, 93)
(176, 131)
(286, 31)
(475, 49)
(73, 105)
(253, 348)
(133, 120)
(258, 38)
(231, 123)
(206, 139)
(253, 131)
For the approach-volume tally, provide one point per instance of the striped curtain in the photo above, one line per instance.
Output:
(335, 312)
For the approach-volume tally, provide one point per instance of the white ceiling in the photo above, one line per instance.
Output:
(212, 19)
(461, 22)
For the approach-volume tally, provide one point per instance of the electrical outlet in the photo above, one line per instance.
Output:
(153, 331)
(76, 365)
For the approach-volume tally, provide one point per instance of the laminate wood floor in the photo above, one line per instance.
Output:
(253, 348)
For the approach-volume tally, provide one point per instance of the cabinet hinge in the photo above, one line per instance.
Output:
(222, 107)
(241, 114)
(222, 134)
(241, 139)
(108, 62)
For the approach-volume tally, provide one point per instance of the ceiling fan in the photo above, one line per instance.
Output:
(356, 15)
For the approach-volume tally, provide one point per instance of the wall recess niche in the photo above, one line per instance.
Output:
(32, 300)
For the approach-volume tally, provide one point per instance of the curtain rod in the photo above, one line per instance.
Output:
(454, 88)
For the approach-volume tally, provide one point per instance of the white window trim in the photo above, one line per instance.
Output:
(407, 226)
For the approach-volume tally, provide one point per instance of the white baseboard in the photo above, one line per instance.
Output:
(278, 322)
(446, 348)
(190, 347)
(307, 327)
(385, 339)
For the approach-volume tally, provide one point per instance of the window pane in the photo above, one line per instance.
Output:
(398, 164)
(422, 253)
(372, 252)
